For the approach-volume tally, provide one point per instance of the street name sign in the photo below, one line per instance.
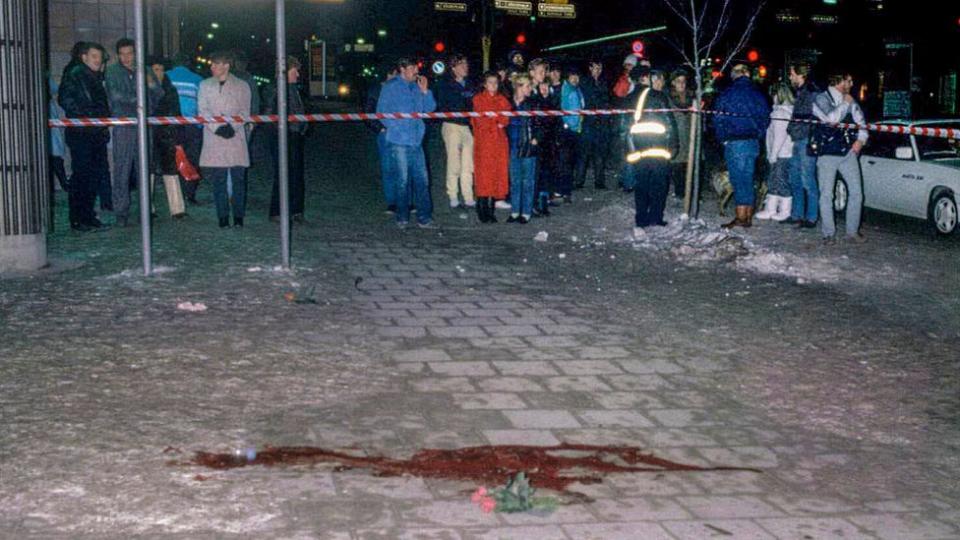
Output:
(557, 10)
(515, 7)
(458, 7)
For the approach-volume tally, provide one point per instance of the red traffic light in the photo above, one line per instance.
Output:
(753, 55)
(521, 38)
(439, 47)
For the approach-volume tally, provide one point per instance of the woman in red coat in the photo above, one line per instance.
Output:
(491, 148)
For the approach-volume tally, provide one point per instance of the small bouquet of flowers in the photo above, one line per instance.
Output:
(516, 496)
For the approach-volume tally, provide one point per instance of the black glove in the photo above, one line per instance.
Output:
(226, 131)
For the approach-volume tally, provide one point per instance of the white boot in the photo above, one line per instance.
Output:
(786, 206)
(769, 207)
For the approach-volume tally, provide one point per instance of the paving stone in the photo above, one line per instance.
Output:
(743, 456)
(577, 384)
(554, 341)
(569, 513)
(458, 332)
(422, 355)
(542, 419)
(739, 529)
(728, 507)
(525, 368)
(498, 343)
(402, 331)
(493, 313)
(566, 330)
(422, 321)
(489, 401)
(649, 366)
(437, 313)
(544, 353)
(659, 484)
(603, 353)
(731, 482)
(587, 367)
(363, 486)
(445, 385)
(561, 400)
(475, 321)
(629, 400)
(677, 418)
(463, 369)
(447, 513)
(533, 532)
(812, 527)
(618, 531)
(904, 526)
(608, 418)
(634, 383)
(409, 534)
(512, 331)
(639, 509)
(529, 437)
(601, 437)
(509, 384)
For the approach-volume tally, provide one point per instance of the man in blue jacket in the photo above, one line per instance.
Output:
(408, 93)
(187, 84)
(741, 124)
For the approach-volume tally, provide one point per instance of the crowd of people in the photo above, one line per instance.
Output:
(527, 164)
(89, 88)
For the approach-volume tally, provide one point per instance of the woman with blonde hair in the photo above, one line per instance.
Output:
(525, 134)
(779, 201)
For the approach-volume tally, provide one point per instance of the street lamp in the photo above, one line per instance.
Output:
(214, 25)
(382, 33)
(209, 36)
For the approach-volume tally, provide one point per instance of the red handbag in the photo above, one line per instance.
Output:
(184, 167)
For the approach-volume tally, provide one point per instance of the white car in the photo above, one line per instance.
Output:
(911, 175)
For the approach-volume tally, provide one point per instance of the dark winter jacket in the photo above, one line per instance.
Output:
(522, 130)
(803, 110)
(82, 95)
(370, 106)
(745, 100)
(455, 97)
(166, 138)
(294, 106)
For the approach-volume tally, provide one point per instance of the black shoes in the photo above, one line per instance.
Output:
(523, 220)
(513, 219)
(600, 187)
(804, 224)
(238, 222)
(224, 222)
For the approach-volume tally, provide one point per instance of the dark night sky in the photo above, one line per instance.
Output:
(413, 26)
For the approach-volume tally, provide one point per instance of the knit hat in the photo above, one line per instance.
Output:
(630, 60)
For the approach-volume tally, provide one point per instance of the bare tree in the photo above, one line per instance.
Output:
(705, 28)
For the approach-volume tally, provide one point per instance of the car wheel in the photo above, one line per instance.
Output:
(840, 196)
(943, 213)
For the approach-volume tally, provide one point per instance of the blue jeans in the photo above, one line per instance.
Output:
(523, 175)
(386, 174)
(409, 166)
(803, 183)
(741, 157)
(238, 177)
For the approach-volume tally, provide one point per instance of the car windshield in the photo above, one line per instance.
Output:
(931, 148)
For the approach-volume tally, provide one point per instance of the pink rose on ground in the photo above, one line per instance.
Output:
(488, 504)
(478, 495)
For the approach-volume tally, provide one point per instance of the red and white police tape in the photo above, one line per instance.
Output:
(939, 132)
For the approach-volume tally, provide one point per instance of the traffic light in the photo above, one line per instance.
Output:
(762, 71)
(521, 38)
(439, 47)
(753, 55)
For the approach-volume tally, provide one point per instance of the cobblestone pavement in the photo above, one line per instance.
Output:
(843, 391)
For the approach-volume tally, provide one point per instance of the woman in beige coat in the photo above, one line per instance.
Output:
(225, 145)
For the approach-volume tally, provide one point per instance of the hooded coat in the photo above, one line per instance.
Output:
(491, 147)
